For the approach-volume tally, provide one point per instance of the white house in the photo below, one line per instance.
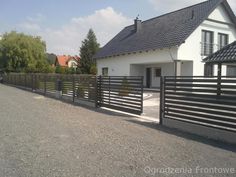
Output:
(171, 44)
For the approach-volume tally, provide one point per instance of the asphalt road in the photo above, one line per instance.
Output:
(43, 137)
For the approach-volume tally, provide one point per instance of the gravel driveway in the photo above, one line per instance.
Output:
(41, 137)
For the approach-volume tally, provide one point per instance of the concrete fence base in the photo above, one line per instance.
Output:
(208, 132)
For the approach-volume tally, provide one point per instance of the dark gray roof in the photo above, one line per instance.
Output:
(168, 30)
(225, 55)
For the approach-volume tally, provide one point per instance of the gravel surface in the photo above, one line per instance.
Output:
(41, 137)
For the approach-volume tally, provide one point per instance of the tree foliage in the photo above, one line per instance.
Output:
(23, 53)
(88, 49)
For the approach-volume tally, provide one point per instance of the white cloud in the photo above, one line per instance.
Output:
(37, 18)
(29, 26)
(32, 23)
(67, 39)
(170, 5)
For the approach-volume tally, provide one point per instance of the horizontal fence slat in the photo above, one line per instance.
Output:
(201, 100)
(202, 104)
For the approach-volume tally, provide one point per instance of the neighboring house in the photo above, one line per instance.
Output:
(224, 57)
(171, 44)
(67, 61)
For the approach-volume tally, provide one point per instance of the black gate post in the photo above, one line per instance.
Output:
(219, 79)
(141, 94)
(161, 99)
(98, 91)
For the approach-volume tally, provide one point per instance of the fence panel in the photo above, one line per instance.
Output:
(121, 93)
(199, 100)
(85, 88)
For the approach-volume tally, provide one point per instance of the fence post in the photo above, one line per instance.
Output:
(44, 83)
(98, 88)
(73, 85)
(142, 94)
(161, 99)
(59, 87)
(109, 77)
(219, 79)
(25, 81)
(32, 82)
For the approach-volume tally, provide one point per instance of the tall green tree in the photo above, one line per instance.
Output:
(23, 53)
(87, 50)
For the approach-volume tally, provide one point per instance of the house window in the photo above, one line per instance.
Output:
(158, 72)
(105, 71)
(223, 40)
(231, 71)
(209, 69)
(207, 45)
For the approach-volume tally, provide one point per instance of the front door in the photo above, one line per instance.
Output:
(148, 77)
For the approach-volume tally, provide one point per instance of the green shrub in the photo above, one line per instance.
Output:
(125, 89)
(80, 92)
(93, 69)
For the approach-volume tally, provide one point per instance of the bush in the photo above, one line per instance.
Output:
(78, 71)
(124, 91)
(60, 70)
(93, 69)
(80, 92)
(70, 70)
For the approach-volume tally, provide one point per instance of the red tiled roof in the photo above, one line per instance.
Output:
(62, 60)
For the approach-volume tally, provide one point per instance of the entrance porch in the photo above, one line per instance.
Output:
(152, 72)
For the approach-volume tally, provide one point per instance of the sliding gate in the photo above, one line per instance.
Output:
(120, 93)
(203, 101)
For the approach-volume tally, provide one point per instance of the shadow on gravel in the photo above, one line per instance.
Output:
(189, 136)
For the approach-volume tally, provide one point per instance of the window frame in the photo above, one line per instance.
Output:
(220, 35)
(209, 70)
(103, 71)
(159, 74)
(207, 48)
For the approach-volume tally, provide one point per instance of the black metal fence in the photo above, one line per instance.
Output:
(72, 87)
(121, 93)
(199, 100)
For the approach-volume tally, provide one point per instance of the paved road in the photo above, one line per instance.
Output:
(41, 137)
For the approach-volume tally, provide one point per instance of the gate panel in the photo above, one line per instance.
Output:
(121, 93)
(200, 100)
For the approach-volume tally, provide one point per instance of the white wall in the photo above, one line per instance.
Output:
(71, 62)
(187, 68)
(122, 65)
(191, 49)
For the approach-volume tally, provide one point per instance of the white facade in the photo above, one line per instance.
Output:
(187, 56)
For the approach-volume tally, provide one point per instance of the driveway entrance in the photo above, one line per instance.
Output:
(151, 102)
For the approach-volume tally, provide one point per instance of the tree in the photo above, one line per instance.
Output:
(88, 49)
(23, 53)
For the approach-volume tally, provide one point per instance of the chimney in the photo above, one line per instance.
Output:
(137, 25)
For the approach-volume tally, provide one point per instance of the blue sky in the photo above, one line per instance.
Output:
(64, 23)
